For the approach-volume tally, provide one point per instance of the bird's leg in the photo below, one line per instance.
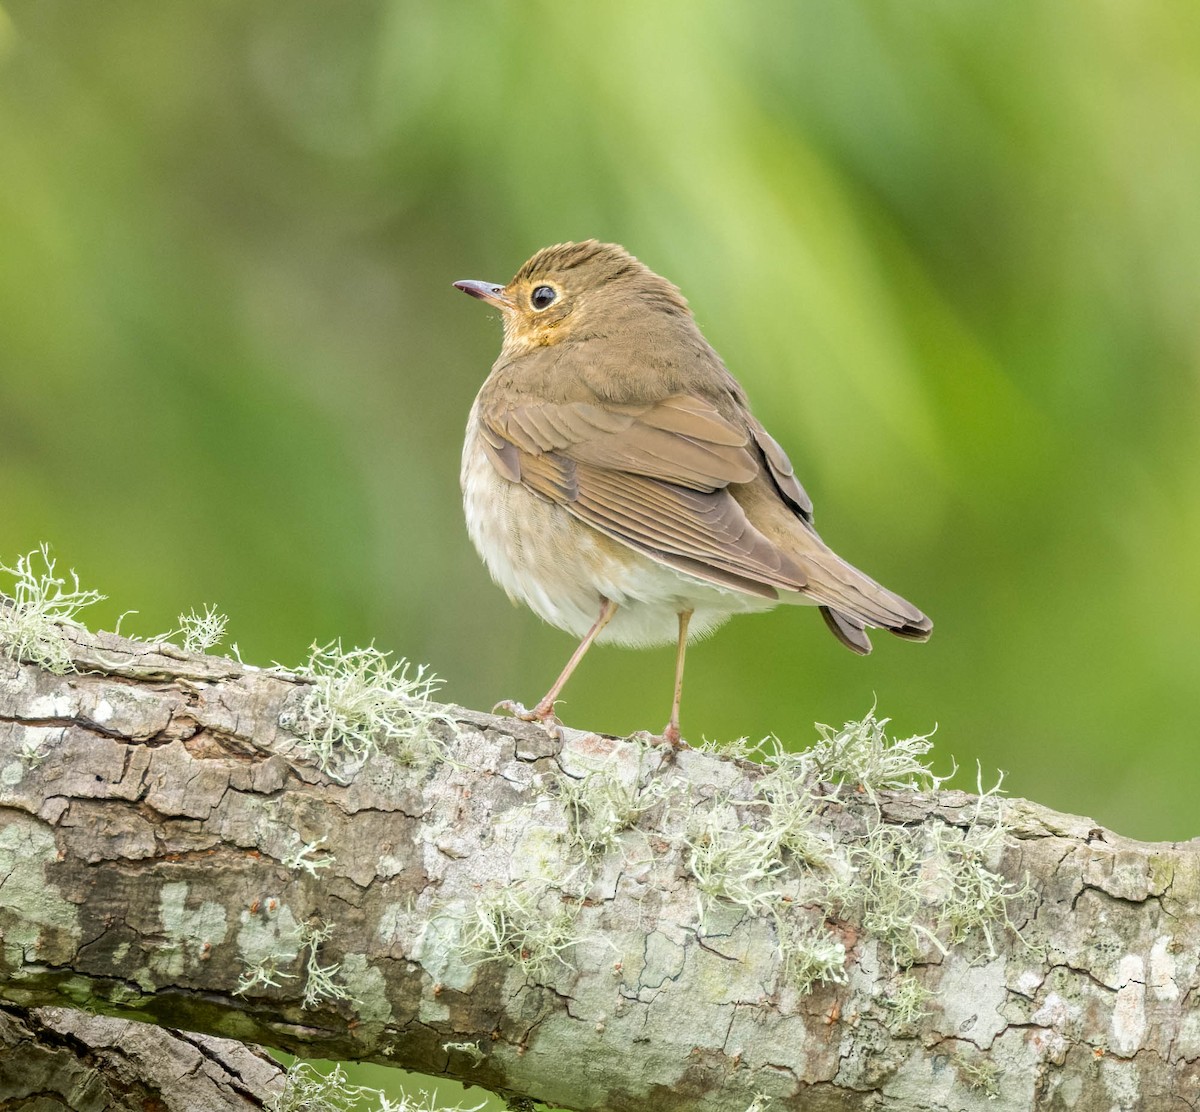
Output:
(544, 711)
(671, 733)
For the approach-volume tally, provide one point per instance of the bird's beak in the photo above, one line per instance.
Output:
(486, 291)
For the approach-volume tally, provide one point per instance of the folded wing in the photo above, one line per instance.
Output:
(654, 477)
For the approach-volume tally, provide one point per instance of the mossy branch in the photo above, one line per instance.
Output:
(192, 842)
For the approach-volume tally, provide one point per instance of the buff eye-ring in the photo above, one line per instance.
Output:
(543, 297)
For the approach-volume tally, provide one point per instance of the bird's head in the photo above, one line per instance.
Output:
(576, 291)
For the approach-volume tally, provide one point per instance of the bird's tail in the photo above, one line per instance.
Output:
(851, 601)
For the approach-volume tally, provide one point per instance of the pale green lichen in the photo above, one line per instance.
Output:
(880, 888)
(979, 1073)
(905, 1004)
(36, 922)
(601, 805)
(740, 749)
(358, 701)
(733, 861)
(809, 955)
(791, 810)
(39, 604)
(31, 751)
(760, 854)
(283, 948)
(530, 926)
(913, 888)
(301, 856)
(318, 979)
(862, 755)
(263, 974)
(268, 940)
(307, 1089)
(188, 933)
(201, 631)
(976, 897)
(369, 991)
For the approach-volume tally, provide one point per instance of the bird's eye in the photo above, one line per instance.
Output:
(542, 297)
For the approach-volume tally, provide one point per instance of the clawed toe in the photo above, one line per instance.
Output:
(669, 740)
(543, 716)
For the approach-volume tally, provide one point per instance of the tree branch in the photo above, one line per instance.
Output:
(598, 924)
(65, 1059)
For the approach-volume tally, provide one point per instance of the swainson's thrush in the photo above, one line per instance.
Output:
(616, 482)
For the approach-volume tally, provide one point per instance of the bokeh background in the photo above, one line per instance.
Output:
(950, 248)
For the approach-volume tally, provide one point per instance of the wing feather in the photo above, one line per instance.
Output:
(653, 477)
(681, 439)
(780, 469)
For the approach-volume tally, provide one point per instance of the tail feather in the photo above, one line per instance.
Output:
(851, 633)
(915, 631)
(850, 601)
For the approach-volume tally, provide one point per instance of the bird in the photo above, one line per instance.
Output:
(616, 482)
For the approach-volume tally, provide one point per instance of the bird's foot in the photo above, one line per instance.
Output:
(669, 740)
(542, 714)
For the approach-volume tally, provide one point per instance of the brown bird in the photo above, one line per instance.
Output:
(616, 482)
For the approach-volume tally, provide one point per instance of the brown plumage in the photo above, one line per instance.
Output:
(615, 480)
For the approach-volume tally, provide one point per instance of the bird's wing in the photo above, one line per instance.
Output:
(681, 439)
(779, 467)
(652, 476)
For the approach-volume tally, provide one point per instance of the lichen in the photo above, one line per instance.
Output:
(202, 631)
(979, 1073)
(359, 701)
(33, 913)
(733, 861)
(809, 955)
(767, 853)
(307, 1089)
(188, 933)
(529, 926)
(319, 983)
(880, 888)
(268, 940)
(601, 805)
(39, 604)
(300, 856)
(862, 755)
(906, 1004)
(266, 951)
(368, 989)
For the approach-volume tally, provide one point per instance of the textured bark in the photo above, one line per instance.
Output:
(59, 1058)
(163, 836)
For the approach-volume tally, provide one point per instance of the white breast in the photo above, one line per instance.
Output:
(561, 568)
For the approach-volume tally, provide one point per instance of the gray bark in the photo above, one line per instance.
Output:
(588, 923)
(56, 1059)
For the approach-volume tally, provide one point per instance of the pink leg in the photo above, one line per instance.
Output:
(671, 733)
(544, 711)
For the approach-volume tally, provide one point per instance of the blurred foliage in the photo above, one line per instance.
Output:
(949, 247)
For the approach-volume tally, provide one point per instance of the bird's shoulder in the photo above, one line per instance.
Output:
(630, 370)
(657, 400)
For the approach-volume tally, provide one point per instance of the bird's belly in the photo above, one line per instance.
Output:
(561, 568)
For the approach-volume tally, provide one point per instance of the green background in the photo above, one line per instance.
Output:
(951, 250)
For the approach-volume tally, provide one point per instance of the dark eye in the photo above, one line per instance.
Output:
(542, 297)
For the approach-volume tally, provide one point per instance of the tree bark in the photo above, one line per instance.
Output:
(594, 923)
(63, 1059)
